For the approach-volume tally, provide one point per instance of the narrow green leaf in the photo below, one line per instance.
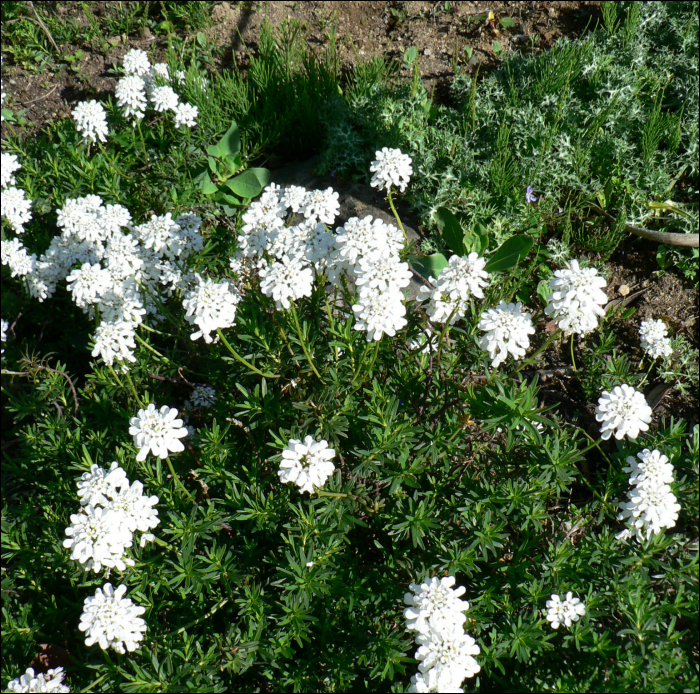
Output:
(509, 254)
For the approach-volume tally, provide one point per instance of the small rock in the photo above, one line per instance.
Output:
(624, 290)
(427, 52)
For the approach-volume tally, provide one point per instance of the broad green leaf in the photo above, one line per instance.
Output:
(208, 187)
(497, 48)
(230, 143)
(430, 266)
(250, 183)
(509, 254)
(410, 55)
(507, 22)
(214, 151)
(451, 231)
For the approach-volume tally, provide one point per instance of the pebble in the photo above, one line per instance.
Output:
(624, 290)
(427, 51)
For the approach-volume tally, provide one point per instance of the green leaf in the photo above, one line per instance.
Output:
(430, 266)
(509, 254)
(410, 55)
(214, 151)
(451, 231)
(230, 143)
(250, 183)
(208, 186)
(497, 48)
(507, 22)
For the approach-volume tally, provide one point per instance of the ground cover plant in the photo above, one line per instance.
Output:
(249, 444)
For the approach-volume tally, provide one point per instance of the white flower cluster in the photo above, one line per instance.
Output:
(445, 654)
(508, 329)
(211, 306)
(652, 506)
(50, 681)
(111, 620)
(112, 511)
(308, 464)
(391, 168)
(364, 251)
(91, 121)
(566, 611)
(143, 83)
(108, 271)
(157, 431)
(577, 299)
(623, 412)
(14, 206)
(5, 326)
(449, 294)
(202, 397)
(653, 335)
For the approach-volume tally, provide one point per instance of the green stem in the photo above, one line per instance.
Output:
(396, 214)
(152, 349)
(216, 607)
(165, 544)
(444, 331)
(143, 142)
(177, 479)
(303, 342)
(92, 685)
(529, 361)
(573, 359)
(133, 389)
(240, 359)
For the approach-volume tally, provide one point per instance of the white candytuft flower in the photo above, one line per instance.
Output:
(308, 464)
(97, 487)
(447, 657)
(5, 327)
(321, 205)
(202, 397)
(652, 467)
(211, 306)
(50, 681)
(157, 431)
(286, 280)
(112, 621)
(391, 167)
(8, 166)
(91, 121)
(564, 611)
(380, 313)
(130, 94)
(622, 411)
(508, 329)
(164, 99)
(577, 299)
(136, 62)
(653, 335)
(185, 115)
(115, 340)
(435, 606)
(98, 537)
(15, 208)
(293, 197)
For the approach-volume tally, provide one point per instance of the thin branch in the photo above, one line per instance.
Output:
(43, 26)
(51, 91)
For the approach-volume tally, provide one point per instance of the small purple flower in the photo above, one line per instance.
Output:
(529, 197)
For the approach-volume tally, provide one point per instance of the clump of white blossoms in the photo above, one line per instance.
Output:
(50, 681)
(577, 298)
(8, 166)
(91, 121)
(391, 168)
(623, 411)
(202, 397)
(112, 621)
(115, 340)
(448, 296)
(4, 327)
(566, 611)
(157, 431)
(651, 505)
(136, 62)
(130, 94)
(445, 653)
(508, 329)
(185, 115)
(164, 99)
(211, 306)
(286, 280)
(653, 335)
(15, 208)
(308, 464)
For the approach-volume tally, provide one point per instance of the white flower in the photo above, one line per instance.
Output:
(112, 621)
(91, 121)
(8, 166)
(15, 256)
(202, 396)
(138, 510)
(186, 115)
(293, 197)
(321, 205)
(131, 96)
(98, 537)
(564, 611)
(97, 487)
(88, 283)
(507, 328)
(286, 280)
(654, 340)
(577, 299)
(428, 682)
(652, 506)
(164, 99)
(157, 431)
(435, 606)
(5, 327)
(622, 411)
(136, 62)
(464, 276)
(448, 657)
(51, 681)
(115, 340)
(380, 313)
(653, 468)
(308, 464)
(391, 167)
(211, 306)
(379, 272)
(15, 207)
